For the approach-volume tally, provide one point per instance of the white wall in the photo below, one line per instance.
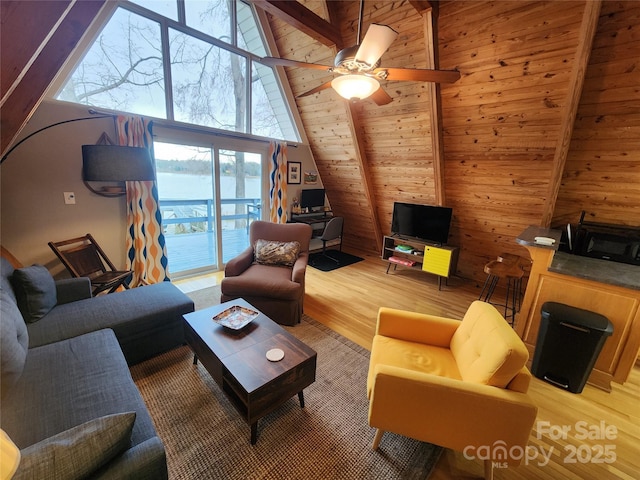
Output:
(33, 179)
(35, 175)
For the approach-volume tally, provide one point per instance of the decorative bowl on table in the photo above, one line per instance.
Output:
(235, 317)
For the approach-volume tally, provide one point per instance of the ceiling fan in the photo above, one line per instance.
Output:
(359, 67)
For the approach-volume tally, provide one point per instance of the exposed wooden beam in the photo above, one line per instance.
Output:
(333, 12)
(303, 19)
(24, 97)
(358, 144)
(40, 19)
(588, 29)
(435, 107)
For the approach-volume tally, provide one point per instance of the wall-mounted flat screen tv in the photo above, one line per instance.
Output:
(425, 222)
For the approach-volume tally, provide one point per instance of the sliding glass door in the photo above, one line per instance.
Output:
(240, 198)
(208, 198)
(186, 187)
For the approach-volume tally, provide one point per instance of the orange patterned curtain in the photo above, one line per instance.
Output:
(278, 182)
(146, 249)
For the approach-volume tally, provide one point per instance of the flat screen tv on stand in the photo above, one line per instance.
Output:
(313, 199)
(429, 223)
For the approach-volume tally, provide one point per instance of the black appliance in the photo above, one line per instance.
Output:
(312, 198)
(618, 243)
(425, 222)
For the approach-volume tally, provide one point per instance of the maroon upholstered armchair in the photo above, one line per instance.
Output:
(276, 290)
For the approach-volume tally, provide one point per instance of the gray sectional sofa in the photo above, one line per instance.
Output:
(67, 397)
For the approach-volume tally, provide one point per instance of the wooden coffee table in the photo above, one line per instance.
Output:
(236, 359)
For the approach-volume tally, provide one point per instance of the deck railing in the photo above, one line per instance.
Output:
(181, 208)
(189, 231)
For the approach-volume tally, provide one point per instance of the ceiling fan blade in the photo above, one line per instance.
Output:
(274, 61)
(380, 97)
(319, 88)
(377, 41)
(420, 75)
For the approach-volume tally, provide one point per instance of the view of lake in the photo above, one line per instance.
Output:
(187, 251)
(184, 186)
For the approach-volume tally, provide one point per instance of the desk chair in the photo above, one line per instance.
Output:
(83, 257)
(332, 231)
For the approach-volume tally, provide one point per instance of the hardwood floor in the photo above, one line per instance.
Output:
(347, 300)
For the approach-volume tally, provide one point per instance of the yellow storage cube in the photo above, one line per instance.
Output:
(437, 260)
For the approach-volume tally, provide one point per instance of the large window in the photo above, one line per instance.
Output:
(123, 70)
(192, 61)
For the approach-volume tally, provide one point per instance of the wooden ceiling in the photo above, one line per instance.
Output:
(37, 37)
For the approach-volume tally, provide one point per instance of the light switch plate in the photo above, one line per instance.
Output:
(69, 198)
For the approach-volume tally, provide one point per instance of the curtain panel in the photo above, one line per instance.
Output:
(278, 182)
(146, 248)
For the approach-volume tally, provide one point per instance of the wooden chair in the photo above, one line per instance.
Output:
(83, 257)
(512, 268)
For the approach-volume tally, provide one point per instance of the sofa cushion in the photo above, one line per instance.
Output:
(68, 383)
(486, 348)
(263, 281)
(14, 342)
(147, 320)
(79, 451)
(35, 291)
(413, 356)
(269, 252)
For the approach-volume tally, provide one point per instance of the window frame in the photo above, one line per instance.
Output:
(165, 24)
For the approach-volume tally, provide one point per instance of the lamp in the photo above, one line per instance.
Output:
(9, 457)
(355, 86)
(115, 163)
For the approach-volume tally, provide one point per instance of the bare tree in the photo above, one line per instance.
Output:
(124, 70)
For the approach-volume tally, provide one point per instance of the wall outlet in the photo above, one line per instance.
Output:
(69, 198)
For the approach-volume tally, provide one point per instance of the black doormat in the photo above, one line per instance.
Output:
(317, 260)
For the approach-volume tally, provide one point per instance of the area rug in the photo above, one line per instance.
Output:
(206, 438)
(205, 297)
(317, 260)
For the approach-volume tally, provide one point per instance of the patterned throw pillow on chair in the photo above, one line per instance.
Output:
(268, 252)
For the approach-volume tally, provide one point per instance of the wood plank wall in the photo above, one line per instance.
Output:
(326, 122)
(501, 120)
(396, 137)
(602, 175)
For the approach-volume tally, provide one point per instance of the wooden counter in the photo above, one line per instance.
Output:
(619, 303)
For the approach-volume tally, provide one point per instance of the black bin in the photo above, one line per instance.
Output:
(569, 342)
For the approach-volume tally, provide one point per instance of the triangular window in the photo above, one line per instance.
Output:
(189, 61)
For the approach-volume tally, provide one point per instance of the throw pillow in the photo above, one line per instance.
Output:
(79, 451)
(269, 252)
(35, 291)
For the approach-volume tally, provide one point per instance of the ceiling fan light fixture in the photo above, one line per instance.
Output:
(355, 86)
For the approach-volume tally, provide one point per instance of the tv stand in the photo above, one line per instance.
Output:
(416, 239)
(441, 260)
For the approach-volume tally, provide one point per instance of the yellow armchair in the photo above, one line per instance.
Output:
(458, 384)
